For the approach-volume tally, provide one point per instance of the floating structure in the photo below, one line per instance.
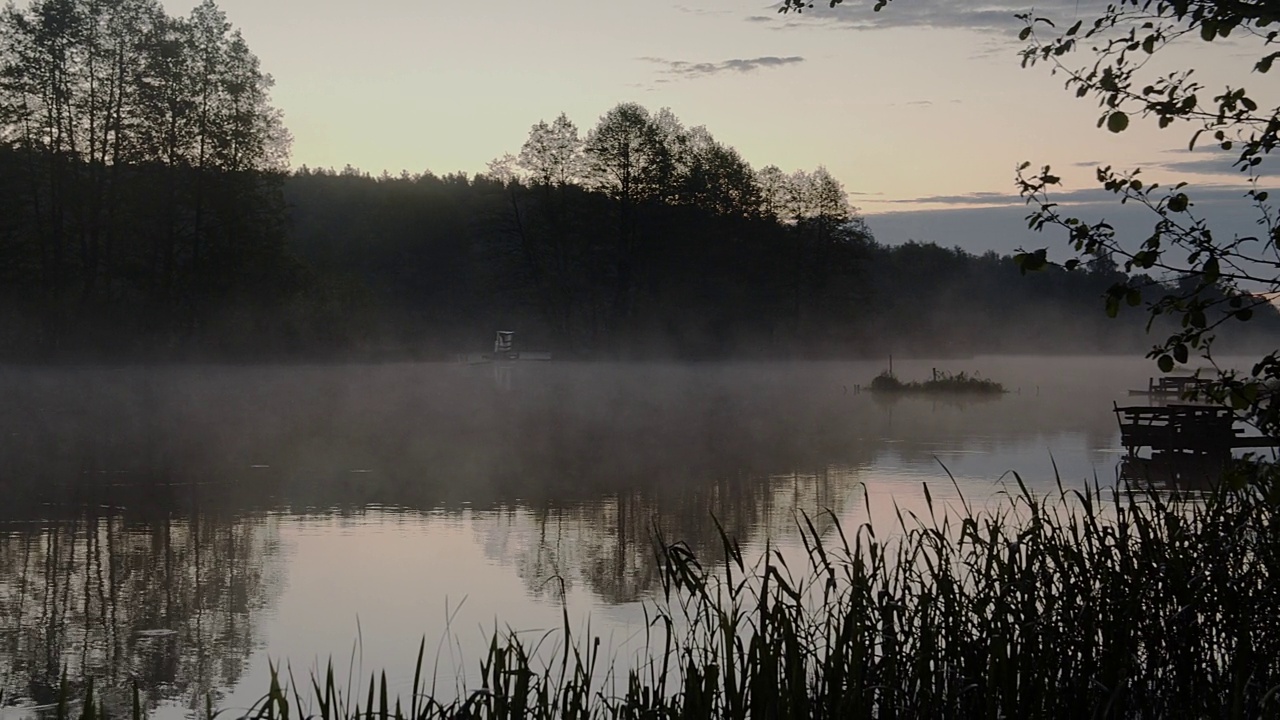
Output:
(1192, 430)
(1173, 386)
(504, 350)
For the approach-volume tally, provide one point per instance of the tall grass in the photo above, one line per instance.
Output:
(1089, 603)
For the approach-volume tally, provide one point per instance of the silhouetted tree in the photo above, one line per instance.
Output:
(553, 153)
(145, 155)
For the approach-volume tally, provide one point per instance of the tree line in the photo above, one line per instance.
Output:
(140, 172)
(147, 213)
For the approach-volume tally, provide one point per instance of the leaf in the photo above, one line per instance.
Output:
(1133, 297)
(1178, 203)
(1074, 28)
(1212, 271)
(1238, 401)
(1031, 262)
(1026, 33)
(1180, 353)
(1117, 121)
(1250, 392)
(1165, 363)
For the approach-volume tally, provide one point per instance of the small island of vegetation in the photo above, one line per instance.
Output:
(941, 383)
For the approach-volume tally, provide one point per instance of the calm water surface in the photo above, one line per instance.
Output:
(184, 526)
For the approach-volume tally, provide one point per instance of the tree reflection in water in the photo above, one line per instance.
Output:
(608, 545)
(123, 586)
(564, 475)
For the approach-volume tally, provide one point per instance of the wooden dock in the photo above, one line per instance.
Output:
(1189, 429)
(1172, 386)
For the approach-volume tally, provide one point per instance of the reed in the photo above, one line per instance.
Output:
(1098, 602)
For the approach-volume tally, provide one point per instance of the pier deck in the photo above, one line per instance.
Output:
(1195, 429)
(1172, 386)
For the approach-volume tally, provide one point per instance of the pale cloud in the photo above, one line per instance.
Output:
(702, 11)
(736, 65)
(1206, 160)
(978, 198)
(946, 14)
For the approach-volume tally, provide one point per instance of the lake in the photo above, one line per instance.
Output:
(185, 526)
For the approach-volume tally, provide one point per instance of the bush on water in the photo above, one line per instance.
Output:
(941, 382)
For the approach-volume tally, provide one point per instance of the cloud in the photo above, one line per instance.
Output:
(987, 15)
(1208, 159)
(701, 11)
(1211, 192)
(1206, 166)
(982, 222)
(737, 65)
(981, 198)
(1003, 228)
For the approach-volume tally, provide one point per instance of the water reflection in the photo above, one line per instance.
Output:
(175, 525)
(141, 593)
(608, 546)
(1174, 471)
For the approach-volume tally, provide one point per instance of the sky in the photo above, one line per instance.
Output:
(921, 110)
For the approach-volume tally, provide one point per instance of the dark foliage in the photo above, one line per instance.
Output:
(940, 383)
(145, 214)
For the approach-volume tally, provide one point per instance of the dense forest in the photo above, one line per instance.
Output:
(147, 213)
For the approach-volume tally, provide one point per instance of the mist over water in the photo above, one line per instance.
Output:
(181, 525)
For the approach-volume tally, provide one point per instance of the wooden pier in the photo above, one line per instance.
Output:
(1172, 386)
(1188, 429)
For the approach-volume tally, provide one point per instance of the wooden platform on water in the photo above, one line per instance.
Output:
(485, 358)
(1192, 429)
(1172, 386)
